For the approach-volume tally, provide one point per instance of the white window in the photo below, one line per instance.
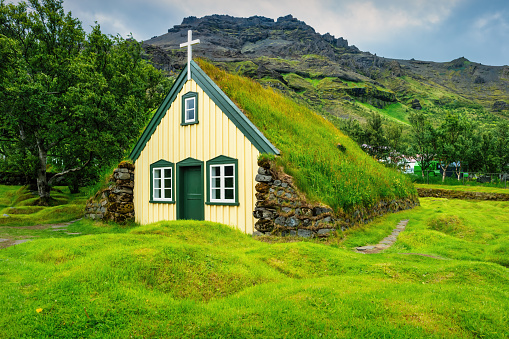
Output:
(162, 184)
(222, 183)
(190, 110)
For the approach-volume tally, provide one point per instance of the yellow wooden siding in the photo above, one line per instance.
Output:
(213, 136)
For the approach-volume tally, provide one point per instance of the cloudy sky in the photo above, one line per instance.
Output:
(434, 30)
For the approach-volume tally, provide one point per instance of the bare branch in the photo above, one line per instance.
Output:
(76, 169)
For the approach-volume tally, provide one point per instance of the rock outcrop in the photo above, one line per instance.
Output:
(275, 48)
(416, 104)
(224, 38)
(500, 106)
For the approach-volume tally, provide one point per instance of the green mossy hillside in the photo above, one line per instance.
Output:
(344, 180)
(20, 207)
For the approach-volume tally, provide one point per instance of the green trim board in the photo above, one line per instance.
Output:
(238, 118)
(162, 164)
(189, 95)
(223, 160)
(181, 167)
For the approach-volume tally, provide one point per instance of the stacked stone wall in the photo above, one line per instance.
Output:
(114, 203)
(282, 210)
(451, 194)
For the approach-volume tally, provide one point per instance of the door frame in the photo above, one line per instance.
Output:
(189, 162)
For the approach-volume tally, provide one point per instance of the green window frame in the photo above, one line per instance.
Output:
(223, 181)
(162, 182)
(189, 109)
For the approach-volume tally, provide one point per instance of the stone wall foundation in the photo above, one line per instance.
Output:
(114, 203)
(282, 210)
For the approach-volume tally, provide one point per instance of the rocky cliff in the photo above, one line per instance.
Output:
(225, 38)
(326, 71)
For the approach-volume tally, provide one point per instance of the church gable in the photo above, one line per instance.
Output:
(188, 116)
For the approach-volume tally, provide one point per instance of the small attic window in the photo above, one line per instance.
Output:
(189, 108)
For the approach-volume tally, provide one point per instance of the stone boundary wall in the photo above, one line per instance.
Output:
(114, 203)
(450, 194)
(282, 210)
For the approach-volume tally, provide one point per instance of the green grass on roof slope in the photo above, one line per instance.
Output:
(308, 146)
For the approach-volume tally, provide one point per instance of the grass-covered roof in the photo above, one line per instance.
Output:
(308, 144)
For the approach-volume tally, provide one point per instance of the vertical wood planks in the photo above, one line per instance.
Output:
(214, 135)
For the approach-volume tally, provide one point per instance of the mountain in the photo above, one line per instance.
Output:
(333, 76)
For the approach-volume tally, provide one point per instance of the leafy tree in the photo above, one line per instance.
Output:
(353, 129)
(482, 153)
(502, 147)
(449, 141)
(374, 138)
(67, 98)
(382, 140)
(374, 133)
(462, 148)
(396, 143)
(424, 135)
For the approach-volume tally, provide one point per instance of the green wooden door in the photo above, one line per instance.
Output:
(191, 203)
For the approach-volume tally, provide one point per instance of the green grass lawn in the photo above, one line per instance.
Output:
(17, 206)
(200, 279)
(20, 219)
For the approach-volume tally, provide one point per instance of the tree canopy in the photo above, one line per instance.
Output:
(67, 98)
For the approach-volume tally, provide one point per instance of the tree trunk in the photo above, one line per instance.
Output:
(458, 172)
(445, 172)
(42, 180)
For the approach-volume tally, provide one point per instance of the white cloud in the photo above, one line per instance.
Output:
(361, 21)
(367, 21)
(491, 22)
(114, 24)
(392, 28)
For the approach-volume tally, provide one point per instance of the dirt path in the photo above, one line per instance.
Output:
(389, 241)
(386, 242)
(7, 241)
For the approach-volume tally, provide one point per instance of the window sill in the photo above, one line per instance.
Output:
(161, 202)
(222, 203)
(189, 123)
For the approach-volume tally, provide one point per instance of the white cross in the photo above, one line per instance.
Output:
(189, 42)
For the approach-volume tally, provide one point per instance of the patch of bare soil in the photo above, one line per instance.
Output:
(7, 241)
(426, 255)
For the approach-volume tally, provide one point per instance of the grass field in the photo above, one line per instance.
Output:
(17, 206)
(446, 277)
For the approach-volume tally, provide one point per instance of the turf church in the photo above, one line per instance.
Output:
(197, 158)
